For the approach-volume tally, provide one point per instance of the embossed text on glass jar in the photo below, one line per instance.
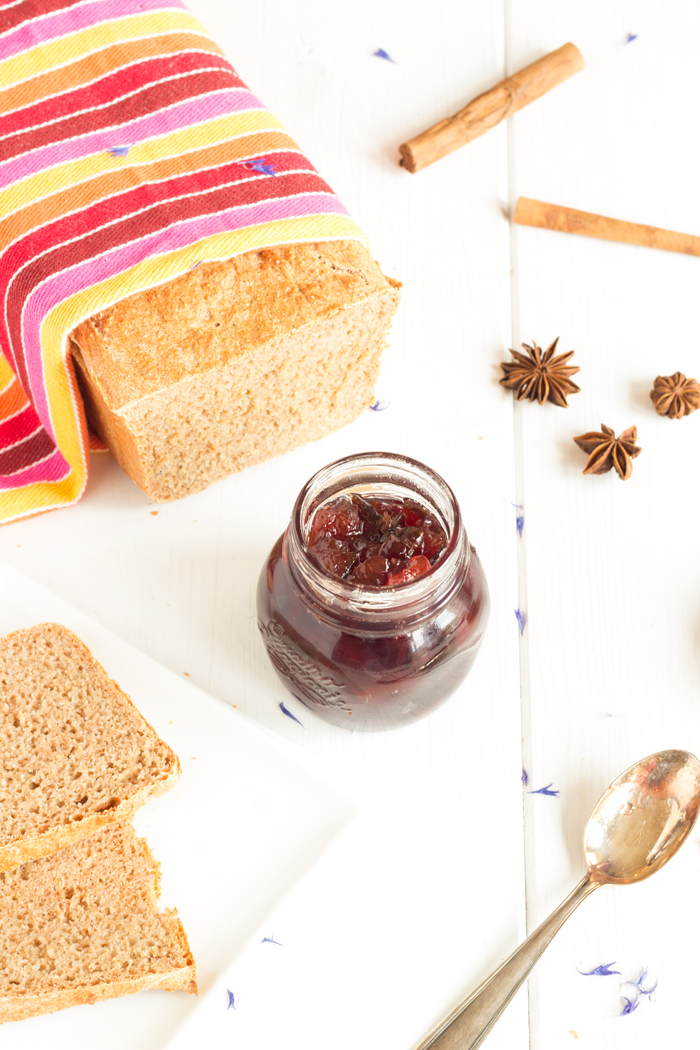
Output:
(370, 657)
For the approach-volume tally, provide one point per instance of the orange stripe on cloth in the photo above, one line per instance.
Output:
(95, 443)
(12, 400)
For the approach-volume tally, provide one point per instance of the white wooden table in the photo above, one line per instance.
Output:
(441, 876)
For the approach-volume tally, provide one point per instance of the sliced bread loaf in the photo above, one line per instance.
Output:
(83, 925)
(75, 754)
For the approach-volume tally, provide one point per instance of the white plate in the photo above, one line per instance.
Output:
(250, 815)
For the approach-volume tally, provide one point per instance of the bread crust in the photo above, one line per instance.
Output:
(15, 853)
(208, 318)
(20, 1007)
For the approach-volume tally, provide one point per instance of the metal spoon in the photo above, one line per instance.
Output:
(638, 824)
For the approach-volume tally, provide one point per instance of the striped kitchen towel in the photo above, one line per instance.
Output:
(130, 150)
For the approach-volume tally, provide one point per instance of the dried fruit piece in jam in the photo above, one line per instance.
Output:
(370, 540)
(416, 567)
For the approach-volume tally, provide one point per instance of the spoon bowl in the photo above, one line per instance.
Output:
(639, 823)
(643, 818)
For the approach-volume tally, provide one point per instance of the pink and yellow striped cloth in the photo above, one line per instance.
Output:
(130, 151)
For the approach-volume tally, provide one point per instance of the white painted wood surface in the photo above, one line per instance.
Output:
(427, 892)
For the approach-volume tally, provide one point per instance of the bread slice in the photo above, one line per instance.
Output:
(83, 925)
(235, 362)
(75, 754)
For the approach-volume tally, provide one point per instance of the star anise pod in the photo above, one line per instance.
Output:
(675, 396)
(540, 375)
(605, 451)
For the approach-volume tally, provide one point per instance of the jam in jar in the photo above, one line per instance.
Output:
(372, 604)
(380, 542)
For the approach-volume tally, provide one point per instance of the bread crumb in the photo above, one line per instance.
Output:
(187, 673)
(153, 513)
(572, 1032)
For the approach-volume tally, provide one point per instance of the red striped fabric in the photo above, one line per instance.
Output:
(129, 146)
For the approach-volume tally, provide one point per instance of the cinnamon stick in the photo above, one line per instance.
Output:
(491, 108)
(588, 224)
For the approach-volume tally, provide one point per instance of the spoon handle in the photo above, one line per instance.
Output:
(473, 1019)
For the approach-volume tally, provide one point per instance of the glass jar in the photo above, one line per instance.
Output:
(371, 657)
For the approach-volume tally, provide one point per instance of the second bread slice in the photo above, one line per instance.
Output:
(75, 754)
(83, 925)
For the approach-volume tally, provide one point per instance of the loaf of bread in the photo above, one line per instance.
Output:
(235, 362)
(83, 925)
(76, 755)
(166, 242)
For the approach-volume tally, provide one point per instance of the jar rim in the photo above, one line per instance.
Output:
(408, 473)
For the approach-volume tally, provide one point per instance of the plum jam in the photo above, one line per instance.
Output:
(369, 540)
(373, 605)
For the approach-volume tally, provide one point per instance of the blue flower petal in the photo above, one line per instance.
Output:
(546, 791)
(600, 971)
(289, 714)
